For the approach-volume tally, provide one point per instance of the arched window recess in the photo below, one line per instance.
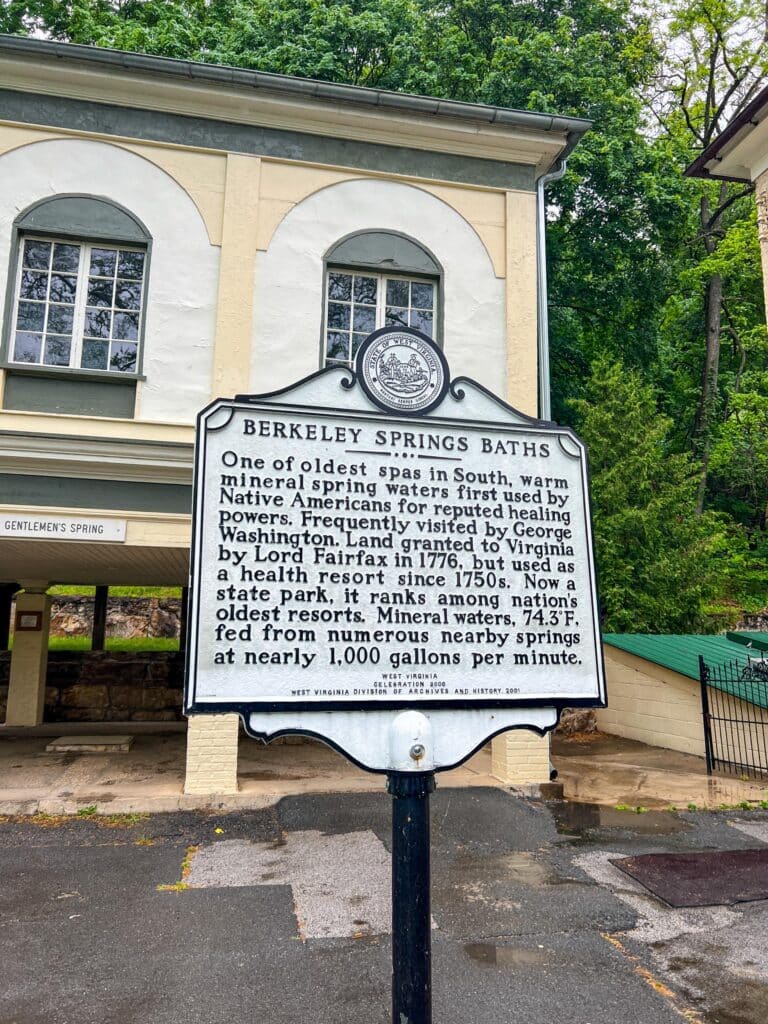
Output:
(77, 285)
(375, 279)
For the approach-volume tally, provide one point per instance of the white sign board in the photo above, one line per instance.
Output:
(52, 527)
(348, 558)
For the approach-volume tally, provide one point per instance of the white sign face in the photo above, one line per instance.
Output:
(349, 558)
(45, 527)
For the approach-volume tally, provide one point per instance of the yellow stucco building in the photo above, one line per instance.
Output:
(172, 232)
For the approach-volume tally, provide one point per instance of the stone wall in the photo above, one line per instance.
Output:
(752, 622)
(126, 616)
(108, 686)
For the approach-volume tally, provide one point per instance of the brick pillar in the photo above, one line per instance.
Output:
(29, 659)
(212, 754)
(520, 757)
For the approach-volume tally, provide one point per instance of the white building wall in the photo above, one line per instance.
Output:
(183, 279)
(651, 704)
(289, 280)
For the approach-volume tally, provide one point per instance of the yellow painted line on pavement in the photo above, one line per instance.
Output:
(687, 1013)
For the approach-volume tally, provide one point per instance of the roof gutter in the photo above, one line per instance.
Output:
(304, 88)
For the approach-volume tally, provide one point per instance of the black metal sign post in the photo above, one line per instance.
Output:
(411, 902)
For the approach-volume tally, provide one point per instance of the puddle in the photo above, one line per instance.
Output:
(521, 867)
(488, 955)
(524, 868)
(573, 819)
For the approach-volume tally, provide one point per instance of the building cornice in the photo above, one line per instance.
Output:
(740, 152)
(171, 518)
(32, 454)
(286, 103)
(14, 421)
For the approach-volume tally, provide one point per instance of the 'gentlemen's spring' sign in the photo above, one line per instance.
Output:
(385, 541)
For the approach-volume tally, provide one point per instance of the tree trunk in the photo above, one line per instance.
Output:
(705, 412)
(713, 312)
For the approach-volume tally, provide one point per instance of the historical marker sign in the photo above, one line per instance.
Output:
(400, 566)
(386, 542)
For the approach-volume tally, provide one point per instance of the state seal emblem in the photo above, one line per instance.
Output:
(403, 370)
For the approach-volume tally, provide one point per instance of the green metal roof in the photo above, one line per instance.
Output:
(680, 653)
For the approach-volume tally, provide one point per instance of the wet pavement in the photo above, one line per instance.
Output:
(611, 770)
(282, 914)
(587, 820)
(595, 768)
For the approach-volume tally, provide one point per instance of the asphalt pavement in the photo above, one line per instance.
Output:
(282, 915)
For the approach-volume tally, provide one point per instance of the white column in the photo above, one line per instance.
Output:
(761, 198)
(29, 658)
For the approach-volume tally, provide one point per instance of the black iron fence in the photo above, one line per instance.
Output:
(734, 704)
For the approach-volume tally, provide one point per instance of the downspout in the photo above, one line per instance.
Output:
(545, 403)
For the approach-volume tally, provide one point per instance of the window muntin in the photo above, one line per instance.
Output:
(358, 302)
(78, 305)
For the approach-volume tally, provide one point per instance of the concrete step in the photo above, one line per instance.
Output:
(92, 744)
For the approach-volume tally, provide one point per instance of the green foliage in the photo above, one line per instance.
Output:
(739, 476)
(713, 328)
(609, 216)
(77, 590)
(366, 42)
(740, 456)
(135, 643)
(658, 562)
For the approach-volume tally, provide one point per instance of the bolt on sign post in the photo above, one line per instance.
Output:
(397, 564)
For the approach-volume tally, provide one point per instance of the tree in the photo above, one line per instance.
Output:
(659, 564)
(739, 470)
(609, 217)
(364, 42)
(716, 61)
(740, 457)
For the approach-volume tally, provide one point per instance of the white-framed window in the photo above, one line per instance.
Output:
(78, 305)
(358, 302)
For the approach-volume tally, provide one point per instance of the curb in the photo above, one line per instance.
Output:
(140, 805)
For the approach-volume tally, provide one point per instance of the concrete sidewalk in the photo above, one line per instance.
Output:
(149, 778)
(602, 769)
